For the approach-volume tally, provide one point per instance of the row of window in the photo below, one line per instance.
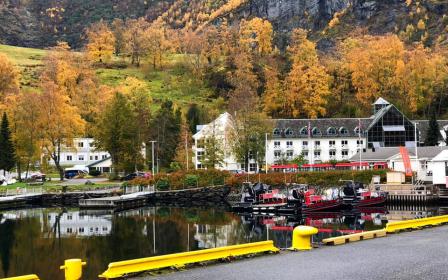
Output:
(316, 131)
(82, 158)
(91, 230)
(290, 154)
(317, 143)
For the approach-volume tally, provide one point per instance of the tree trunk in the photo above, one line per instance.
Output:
(19, 171)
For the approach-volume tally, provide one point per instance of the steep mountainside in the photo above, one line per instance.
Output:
(41, 23)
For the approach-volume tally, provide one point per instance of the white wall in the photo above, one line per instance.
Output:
(82, 153)
(438, 171)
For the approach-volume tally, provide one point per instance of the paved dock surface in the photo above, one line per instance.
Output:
(412, 255)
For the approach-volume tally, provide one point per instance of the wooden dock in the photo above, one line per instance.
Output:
(409, 193)
(122, 202)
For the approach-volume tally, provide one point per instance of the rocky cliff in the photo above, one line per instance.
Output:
(41, 23)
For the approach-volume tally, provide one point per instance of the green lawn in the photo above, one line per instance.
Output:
(173, 81)
(56, 186)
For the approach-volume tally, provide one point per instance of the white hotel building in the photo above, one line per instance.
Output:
(321, 140)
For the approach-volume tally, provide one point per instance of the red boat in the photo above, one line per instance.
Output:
(314, 202)
(355, 195)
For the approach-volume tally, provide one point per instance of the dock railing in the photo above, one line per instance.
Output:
(23, 191)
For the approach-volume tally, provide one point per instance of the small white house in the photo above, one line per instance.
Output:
(440, 168)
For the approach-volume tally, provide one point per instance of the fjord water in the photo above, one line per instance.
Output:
(39, 240)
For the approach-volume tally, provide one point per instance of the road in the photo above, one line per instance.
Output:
(411, 255)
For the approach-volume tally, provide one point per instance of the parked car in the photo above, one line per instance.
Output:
(133, 175)
(71, 173)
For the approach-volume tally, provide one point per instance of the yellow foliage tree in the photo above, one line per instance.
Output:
(158, 43)
(256, 34)
(101, 42)
(137, 39)
(307, 85)
(373, 62)
(9, 77)
(58, 122)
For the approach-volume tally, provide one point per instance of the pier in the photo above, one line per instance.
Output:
(122, 202)
(421, 254)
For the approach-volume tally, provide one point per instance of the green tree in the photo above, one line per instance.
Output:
(433, 132)
(7, 154)
(165, 130)
(116, 133)
(213, 150)
(193, 117)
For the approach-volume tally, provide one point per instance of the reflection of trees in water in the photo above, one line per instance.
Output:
(6, 243)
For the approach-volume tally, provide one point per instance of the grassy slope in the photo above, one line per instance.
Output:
(173, 82)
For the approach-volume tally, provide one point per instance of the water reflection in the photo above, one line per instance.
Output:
(38, 240)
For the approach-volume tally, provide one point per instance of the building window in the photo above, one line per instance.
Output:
(276, 132)
(81, 144)
(344, 153)
(288, 144)
(359, 142)
(317, 144)
(104, 157)
(290, 154)
(69, 158)
(316, 131)
(81, 230)
(305, 144)
(200, 155)
(200, 166)
(253, 167)
(277, 154)
(289, 132)
(200, 144)
(81, 158)
(358, 130)
(304, 131)
(332, 153)
(305, 154)
(96, 157)
(276, 144)
(331, 131)
(69, 230)
(91, 157)
(344, 143)
(332, 143)
(343, 131)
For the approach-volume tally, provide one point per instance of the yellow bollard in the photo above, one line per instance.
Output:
(73, 269)
(301, 237)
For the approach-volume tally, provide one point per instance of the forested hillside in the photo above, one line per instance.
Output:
(42, 23)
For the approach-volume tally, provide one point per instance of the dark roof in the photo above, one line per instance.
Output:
(382, 154)
(296, 125)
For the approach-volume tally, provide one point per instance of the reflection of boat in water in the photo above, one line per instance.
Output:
(328, 223)
(304, 199)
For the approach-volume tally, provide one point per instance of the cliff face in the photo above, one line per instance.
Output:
(41, 23)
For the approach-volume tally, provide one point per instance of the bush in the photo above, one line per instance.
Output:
(163, 185)
(94, 172)
(191, 180)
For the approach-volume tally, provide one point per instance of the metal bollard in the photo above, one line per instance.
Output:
(73, 269)
(301, 237)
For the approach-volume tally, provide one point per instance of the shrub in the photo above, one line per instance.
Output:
(94, 172)
(191, 180)
(163, 185)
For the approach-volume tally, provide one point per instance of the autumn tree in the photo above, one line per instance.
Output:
(276, 103)
(256, 35)
(213, 149)
(118, 29)
(307, 84)
(247, 137)
(184, 153)
(137, 39)
(373, 62)
(58, 122)
(22, 109)
(9, 77)
(100, 42)
(158, 44)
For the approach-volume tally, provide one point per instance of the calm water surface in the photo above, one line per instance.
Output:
(39, 240)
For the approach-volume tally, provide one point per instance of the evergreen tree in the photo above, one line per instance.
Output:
(433, 133)
(193, 117)
(7, 154)
(165, 130)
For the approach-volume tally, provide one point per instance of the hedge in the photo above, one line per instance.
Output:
(204, 178)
